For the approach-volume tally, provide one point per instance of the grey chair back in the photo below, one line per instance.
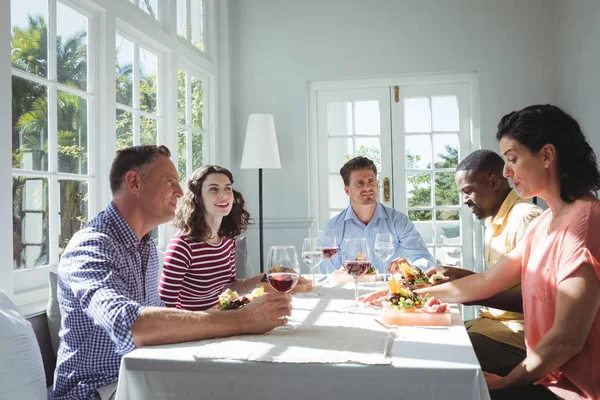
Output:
(241, 258)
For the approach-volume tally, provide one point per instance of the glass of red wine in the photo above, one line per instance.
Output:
(356, 260)
(283, 272)
(329, 247)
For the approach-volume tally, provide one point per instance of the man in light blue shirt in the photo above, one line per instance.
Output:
(366, 217)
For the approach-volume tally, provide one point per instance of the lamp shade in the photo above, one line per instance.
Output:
(260, 146)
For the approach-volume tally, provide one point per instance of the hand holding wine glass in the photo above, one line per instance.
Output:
(356, 261)
(283, 272)
(384, 249)
(312, 255)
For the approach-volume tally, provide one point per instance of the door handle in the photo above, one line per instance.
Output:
(386, 190)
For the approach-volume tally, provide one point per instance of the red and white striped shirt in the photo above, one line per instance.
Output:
(195, 273)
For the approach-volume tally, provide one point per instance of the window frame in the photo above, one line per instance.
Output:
(29, 288)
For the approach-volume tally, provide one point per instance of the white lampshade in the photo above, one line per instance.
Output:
(260, 146)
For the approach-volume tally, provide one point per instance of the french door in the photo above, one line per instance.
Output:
(416, 135)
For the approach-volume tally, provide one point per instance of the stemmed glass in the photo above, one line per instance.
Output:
(312, 255)
(329, 247)
(283, 272)
(384, 248)
(356, 261)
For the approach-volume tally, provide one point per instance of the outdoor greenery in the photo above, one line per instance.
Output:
(445, 189)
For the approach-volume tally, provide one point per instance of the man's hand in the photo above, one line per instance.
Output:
(493, 381)
(374, 298)
(452, 273)
(266, 312)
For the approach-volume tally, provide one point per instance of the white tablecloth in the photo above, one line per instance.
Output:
(426, 363)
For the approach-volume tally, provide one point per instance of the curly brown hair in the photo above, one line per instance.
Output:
(189, 216)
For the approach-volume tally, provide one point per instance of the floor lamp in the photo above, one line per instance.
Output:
(260, 152)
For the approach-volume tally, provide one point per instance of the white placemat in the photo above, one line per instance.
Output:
(325, 334)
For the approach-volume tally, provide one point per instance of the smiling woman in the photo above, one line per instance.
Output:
(200, 258)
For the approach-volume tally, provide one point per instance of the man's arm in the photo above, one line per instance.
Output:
(509, 300)
(156, 325)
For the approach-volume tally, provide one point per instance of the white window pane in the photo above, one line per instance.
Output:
(445, 148)
(198, 147)
(197, 19)
(28, 56)
(181, 104)
(182, 154)
(148, 131)
(417, 115)
(30, 125)
(370, 148)
(425, 228)
(445, 113)
(73, 209)
(150, 7)
(451, 256)
(72, 133)
(446, 193)
(124, 129)
(339, 119)
(197, 103)
(181, 18)
(418, 152)
(339, 150)
(124, 70)
(418, 192)
(447, 227)
(71, 46)
(337, 197)
(30, 228)
(148, 76)
(366, 118)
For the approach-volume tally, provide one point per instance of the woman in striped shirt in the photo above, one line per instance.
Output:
(199, 260)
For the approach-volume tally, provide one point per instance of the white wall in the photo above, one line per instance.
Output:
(277, 46)
(579, 64)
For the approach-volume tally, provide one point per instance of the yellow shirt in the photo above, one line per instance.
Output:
(502, 234)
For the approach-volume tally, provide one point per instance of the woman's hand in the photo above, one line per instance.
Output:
(493, 381)
(374, 298)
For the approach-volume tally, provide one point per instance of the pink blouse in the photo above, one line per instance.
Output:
(548, 259)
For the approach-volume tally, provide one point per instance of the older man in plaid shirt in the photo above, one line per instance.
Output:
(108, 280)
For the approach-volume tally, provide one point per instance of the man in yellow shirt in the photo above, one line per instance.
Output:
(497, 335)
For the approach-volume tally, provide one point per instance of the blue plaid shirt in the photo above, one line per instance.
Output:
(104, 281)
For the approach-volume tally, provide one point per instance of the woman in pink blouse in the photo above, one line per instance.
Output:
(199, 260)
(547, 155)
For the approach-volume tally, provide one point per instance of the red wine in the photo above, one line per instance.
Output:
(357, 268)
(329, 252)
(283, 281)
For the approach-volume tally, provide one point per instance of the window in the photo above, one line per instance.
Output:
(190, 21)
(136, 93)
(191, 136)
(150, 7)
(50, 129)
(67, 123)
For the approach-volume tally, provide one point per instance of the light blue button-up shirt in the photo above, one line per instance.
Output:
(407, 241)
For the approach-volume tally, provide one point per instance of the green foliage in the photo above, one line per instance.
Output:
(445, 190)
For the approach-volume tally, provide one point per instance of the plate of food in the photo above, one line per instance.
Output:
(403, 307)
(231, 300)
(412, 276)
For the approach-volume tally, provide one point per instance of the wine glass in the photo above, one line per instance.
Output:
(384, 248)
(312, 255)
(329, 247)
(283, 272)
(356, 261)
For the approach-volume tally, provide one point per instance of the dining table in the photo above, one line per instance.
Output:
(336, 351)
